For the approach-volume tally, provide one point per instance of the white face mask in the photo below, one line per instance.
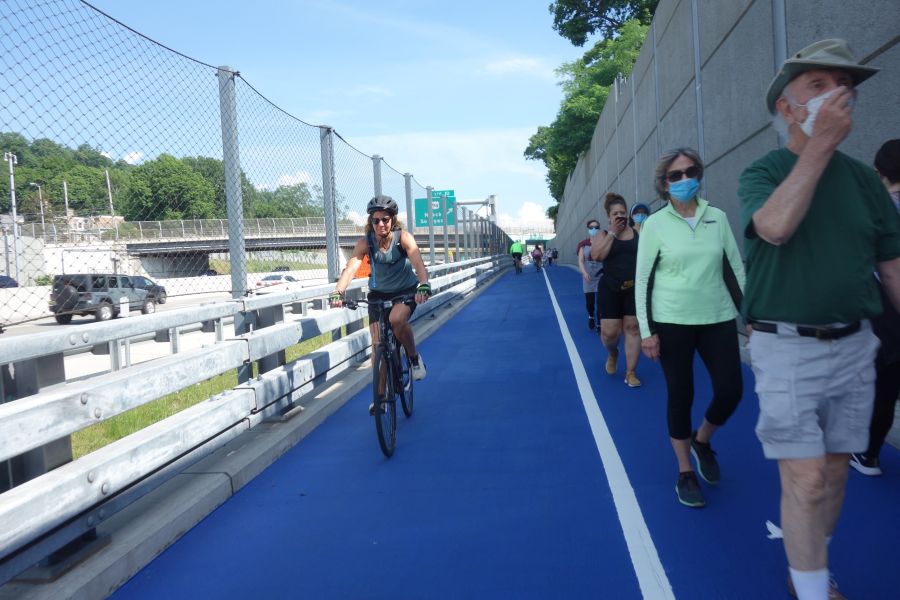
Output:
(812, 109)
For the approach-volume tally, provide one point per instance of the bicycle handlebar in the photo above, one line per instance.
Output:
(353, 304)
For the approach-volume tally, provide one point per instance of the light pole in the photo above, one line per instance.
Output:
(66, 198)
(40, 202)
(11, 158)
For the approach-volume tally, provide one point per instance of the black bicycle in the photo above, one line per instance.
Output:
(391, 376)
(518, 264)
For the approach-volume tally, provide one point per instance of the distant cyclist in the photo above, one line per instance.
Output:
(394, 255)
(537, 255)
(517, 250)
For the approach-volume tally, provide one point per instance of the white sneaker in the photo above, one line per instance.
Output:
(418, 370)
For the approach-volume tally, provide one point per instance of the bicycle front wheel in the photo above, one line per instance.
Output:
(385, 403)
(404, 378)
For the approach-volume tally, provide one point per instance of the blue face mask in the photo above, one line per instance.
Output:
(592, 231)
(639, 218)
(684, 190)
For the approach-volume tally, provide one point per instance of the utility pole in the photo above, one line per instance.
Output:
(12, 159)
(41, 202)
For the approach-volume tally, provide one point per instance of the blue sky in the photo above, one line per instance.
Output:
(449, 91)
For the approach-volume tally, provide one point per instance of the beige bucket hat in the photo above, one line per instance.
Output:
(824, 54)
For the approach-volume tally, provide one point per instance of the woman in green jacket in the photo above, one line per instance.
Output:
(687, 293)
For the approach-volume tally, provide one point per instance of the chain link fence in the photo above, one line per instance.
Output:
(127, 157)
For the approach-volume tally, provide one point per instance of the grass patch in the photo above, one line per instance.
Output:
(223, 266)
(97, 436)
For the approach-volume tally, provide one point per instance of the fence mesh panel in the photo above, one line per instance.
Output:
(114, 144)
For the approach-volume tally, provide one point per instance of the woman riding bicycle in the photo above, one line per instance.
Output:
(393, 254)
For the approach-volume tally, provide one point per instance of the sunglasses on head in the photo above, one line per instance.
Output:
(382, 220)
(677, 175)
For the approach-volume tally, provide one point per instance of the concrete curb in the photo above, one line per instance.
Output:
(146, 528)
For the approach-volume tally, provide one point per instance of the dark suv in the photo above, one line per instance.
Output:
(156, 291)
(98, 294)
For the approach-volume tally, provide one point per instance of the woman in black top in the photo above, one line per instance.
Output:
(617, 249)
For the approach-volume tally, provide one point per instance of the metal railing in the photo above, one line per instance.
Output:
(70, 499)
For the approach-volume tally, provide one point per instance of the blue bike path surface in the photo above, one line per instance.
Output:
(497, 488)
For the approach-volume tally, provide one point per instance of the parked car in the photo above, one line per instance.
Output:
(98, 294)
(157, 292)
(281, 268)
(8, 282)
(209, 273)
(271, 284)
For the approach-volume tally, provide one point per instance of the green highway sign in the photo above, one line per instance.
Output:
(421, 208)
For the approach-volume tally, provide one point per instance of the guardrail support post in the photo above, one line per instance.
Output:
(19, 380)
(268, 316)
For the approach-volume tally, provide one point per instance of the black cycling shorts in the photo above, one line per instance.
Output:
(615, 304)
(377, 295)
(517, 255)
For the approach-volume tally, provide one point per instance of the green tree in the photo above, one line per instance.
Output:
(575, 20)
(287, 201)
(213, 170)
(167, 189)
(585, 84)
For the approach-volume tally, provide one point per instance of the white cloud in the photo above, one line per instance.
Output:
(357, 218)
(133, 158)
(475, 164)
(295, 178)
(106, 154)
(519, 64)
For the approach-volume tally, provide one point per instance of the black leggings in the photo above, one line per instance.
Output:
(717, 345)
(590, 304)
(887, 387)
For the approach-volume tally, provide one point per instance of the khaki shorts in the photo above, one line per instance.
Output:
(815, 396)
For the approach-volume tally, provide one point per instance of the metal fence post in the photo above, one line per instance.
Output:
(410, 215)
(446, 236)
(428, 191)
(234, 201)
(458, 254)
(465, 233)
(332, 247)
(376, 171)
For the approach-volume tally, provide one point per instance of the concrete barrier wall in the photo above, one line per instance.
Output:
(736, 48)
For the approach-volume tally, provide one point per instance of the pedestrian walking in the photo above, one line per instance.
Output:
(689, 282)
(816, 224)
(591, 270)
(617, 249)
(887, 327)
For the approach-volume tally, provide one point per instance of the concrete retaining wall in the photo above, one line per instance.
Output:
(738, 52)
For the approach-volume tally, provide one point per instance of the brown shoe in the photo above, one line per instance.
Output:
(611, 362)
(631, 379)
(833, 593)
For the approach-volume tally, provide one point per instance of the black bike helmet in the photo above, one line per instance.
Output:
(385, 203)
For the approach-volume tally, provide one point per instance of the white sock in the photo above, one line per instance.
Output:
(810, 585)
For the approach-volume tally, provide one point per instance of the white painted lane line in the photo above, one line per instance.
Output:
(649, 570)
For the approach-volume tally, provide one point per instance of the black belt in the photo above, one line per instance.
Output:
(820, 333)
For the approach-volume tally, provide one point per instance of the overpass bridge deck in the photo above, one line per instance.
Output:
(526, 472)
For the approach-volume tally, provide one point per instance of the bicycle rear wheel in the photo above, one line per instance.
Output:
(404, 378)
(385, 404)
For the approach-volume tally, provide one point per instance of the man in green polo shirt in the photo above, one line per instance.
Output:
(817, 223)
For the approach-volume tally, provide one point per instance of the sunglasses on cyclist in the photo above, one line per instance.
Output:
(593, 228)
(382, 220)
(677, 175)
